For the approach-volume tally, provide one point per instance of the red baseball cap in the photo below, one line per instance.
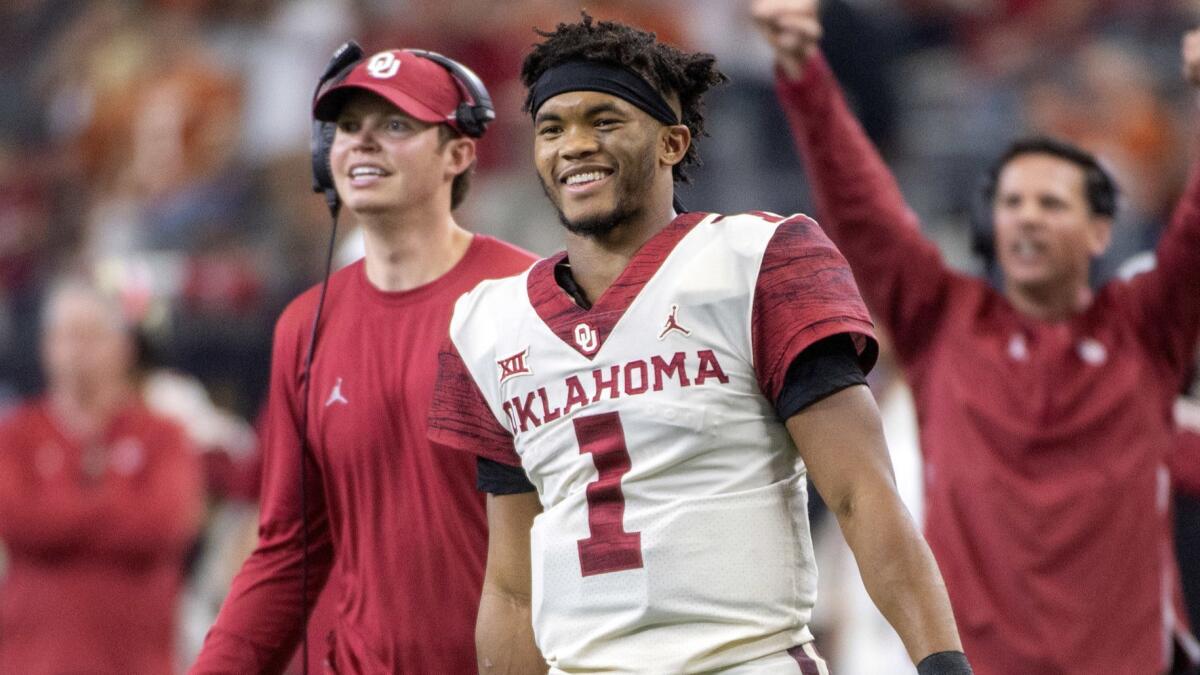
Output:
(417, 85)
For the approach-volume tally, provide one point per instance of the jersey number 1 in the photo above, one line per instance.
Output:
(609, 548)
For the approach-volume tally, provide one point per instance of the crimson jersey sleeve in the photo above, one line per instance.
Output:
(859, 204)
(262, 618)
(460, 418)
(804, 292)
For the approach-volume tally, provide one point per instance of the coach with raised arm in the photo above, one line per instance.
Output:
(1045, 405)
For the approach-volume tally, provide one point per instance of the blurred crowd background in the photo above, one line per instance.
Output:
(162, 147)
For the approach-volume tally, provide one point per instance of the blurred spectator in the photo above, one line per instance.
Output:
(99, 501)
(162, 144)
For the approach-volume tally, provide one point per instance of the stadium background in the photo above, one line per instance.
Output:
(164, 144)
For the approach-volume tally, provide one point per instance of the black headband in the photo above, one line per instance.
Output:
(603, 77)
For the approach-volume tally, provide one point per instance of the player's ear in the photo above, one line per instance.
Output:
(459, 153)
(673, 143)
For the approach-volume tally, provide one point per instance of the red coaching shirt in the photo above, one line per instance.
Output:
(406, 525)
(96, 538)
(1045, 442)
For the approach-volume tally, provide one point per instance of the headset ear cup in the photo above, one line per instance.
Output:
(465, 118)
(322, 142)
(472, 117)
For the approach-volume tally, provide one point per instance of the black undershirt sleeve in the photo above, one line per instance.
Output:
(500, 479)
(824, 368)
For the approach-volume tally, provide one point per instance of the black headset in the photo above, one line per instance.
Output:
(472, 116)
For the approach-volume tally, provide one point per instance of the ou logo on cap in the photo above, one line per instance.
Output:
(383, 65)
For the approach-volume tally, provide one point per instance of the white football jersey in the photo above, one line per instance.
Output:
(675, 534)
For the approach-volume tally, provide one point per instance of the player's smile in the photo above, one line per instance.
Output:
(584, 180)
(366, 174)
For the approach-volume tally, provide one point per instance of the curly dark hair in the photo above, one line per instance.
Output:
(668, 69)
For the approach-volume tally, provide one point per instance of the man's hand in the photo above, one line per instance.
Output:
(793, 29)
(1191, 57)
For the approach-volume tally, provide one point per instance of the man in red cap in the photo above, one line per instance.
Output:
(405, 526)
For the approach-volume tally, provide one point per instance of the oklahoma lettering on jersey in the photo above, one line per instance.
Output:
(674, 535)
(634, 378)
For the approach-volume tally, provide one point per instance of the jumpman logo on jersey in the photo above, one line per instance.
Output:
(673, 324)
(335, 396)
